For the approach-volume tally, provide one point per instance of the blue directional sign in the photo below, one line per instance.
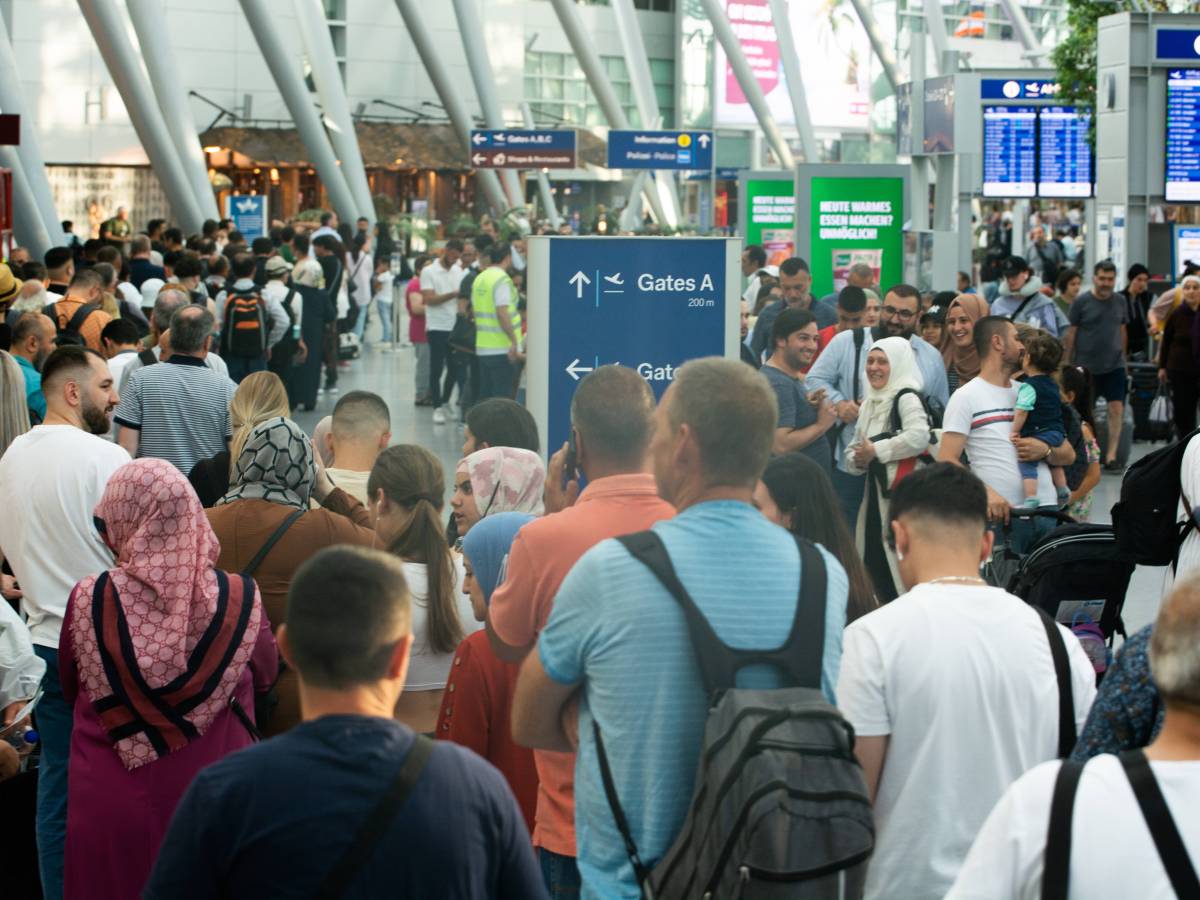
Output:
(248, 212)
(678, 150)
(515, 148)
(647, 303)
(1177, 43)
(1017, 89)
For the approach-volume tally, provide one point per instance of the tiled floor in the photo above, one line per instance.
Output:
(390, 374)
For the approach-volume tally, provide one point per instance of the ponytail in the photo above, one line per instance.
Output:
(411, 477)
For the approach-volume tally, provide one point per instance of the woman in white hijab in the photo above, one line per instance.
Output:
(893, 430)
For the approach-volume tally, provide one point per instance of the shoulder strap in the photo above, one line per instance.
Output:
(81, 316)
(1062, 673)
(800, 657)
(1056, 868)
(860, 337)
(252, 566)
(147, 357)
(1171, 848)
(377, 822)
(1021, 308)
(614, 803)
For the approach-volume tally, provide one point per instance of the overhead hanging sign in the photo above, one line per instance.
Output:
(248, 212)
(676, 150)
(523, 149)
(1017, 89)
(833, 51)
(849, 214)
(682, 294)
(1177, 43)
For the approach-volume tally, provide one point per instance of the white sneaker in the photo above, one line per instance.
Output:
(439, 416)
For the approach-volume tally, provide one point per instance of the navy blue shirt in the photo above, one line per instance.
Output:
(274, 819)
(1046, 414)
(141, 269)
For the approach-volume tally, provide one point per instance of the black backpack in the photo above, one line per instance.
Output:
(284, 352)
(1146, 518)
(69, 334)
(780, 807)
(245, 332)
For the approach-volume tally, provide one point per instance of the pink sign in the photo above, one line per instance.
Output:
(751, 21)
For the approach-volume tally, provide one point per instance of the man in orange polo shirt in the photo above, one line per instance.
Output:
(86, 288)
(612, 417)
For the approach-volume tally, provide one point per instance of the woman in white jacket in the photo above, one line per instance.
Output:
(886, 454)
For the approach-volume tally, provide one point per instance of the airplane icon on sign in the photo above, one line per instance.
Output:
(248, 205)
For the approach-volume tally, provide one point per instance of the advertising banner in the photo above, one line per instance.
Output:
(848, 219)
(834, 53)
(769, 216)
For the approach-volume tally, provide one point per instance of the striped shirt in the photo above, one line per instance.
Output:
(181, 408)
(617, 630)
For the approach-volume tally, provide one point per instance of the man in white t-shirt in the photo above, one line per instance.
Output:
(440, 281)
(51, 479)
(1112, 853)
(950, 688)
(979, 419)
(361, 428)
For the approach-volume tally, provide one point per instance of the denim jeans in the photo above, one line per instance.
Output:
(360, 321)
(561, 874)
(849, 490)
(53, 718)
(385, 320)
(495, 377)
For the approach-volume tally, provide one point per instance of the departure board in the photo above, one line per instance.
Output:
(1064, 157)
(1009, 151)
(1183, 136)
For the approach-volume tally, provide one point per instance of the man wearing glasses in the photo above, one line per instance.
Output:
(840, 371)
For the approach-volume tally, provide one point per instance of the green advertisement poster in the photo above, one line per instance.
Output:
(770, 217)
(855, 220)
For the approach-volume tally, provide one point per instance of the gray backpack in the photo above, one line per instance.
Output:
(780, 808)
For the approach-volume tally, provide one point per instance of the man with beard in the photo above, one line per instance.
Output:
(840, 370)
(178, 410)
(51, 479)
(33, 341)
(804, 416)
(979, 421)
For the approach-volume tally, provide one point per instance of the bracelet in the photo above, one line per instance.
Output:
(1049, 450)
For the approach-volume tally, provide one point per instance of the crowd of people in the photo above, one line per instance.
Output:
(263, 662)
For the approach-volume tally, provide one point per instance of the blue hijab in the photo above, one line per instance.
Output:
(487, 544)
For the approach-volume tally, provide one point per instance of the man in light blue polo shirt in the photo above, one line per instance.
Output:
(32, 341)
(618, 640)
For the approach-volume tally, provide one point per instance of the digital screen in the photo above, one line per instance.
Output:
(1183, 136)
(939, 115)
(1009, 151)
(1064, 156)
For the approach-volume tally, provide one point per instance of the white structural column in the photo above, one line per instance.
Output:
(318, 45)
(28, 228)
(795, 81)
(935, 24)
(285, 69)
(879, 43)
(38, 197)
(543, 182)
(638, 63)
(747, 82)
(470, 27)
(451, 101)
(162, 66)
(589, 60)
(1020, 23)
(121, 58)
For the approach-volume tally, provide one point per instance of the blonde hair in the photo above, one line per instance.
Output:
(14, 412)
(259, 397)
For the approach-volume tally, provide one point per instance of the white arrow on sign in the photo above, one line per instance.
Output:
(703, 140)
(478, 159)
(478, 139)
(575, 368)
(579, 280)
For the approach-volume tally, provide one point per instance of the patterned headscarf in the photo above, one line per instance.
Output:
(505, 479)
(276, 464)
(162, 640)
(486, 546)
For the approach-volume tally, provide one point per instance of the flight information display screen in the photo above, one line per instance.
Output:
(1064, 157)
(1009, 151)
(1183, 136)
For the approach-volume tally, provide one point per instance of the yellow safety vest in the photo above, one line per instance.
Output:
(488, 333)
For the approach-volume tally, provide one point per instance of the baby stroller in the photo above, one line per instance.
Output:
(1077, 574)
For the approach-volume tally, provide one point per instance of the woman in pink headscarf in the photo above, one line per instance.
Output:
(160, 658)
(496, 480)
